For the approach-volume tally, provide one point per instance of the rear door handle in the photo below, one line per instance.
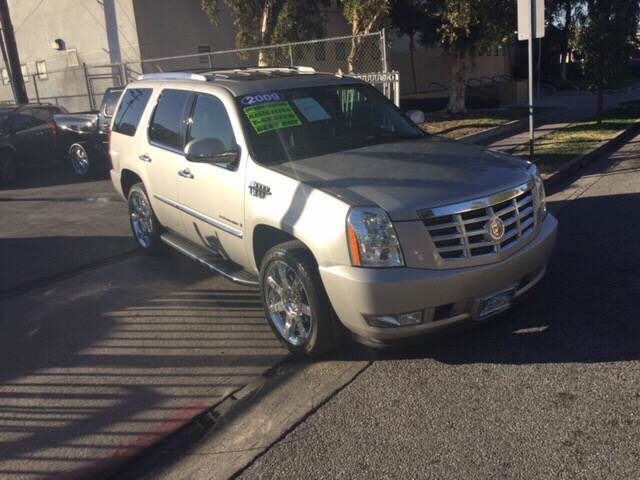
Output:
(186, 173)
(145, 158)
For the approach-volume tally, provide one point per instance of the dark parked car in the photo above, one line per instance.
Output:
(86, 135)
(28, 137)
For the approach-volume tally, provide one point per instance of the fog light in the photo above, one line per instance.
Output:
(391, 321)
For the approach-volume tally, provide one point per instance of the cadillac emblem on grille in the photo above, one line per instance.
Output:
(495, 229)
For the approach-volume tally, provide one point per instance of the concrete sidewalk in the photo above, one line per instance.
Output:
(574, 108)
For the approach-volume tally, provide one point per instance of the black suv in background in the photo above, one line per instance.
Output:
(27, 138)
(85, 136)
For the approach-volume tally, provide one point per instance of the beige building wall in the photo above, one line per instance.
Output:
(82, 27)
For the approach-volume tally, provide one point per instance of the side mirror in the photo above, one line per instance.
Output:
(416, 116)
(210, 150)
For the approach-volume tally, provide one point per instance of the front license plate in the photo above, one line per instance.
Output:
(496, 303)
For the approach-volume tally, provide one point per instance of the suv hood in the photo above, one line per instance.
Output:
(408, 176)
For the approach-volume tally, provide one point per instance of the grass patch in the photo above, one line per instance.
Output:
(557, 148)
(474, 121)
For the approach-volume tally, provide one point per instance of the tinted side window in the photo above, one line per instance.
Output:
(110, 101)
(210, 120)
(131, 110)
(42, 115)
(167, 128)
(22, 121)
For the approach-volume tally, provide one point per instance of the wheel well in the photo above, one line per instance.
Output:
(265, 238)
(128, 180)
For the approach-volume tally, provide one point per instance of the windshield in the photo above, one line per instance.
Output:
(294, 124)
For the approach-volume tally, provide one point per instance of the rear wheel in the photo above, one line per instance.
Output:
(295, 302)
(8, 168)
(81, 162)
(144, 224)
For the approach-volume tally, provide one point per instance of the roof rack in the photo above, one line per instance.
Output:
(223, 73)
(173, 76)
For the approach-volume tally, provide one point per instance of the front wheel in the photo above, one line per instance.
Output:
(144, 224)
(295, 302)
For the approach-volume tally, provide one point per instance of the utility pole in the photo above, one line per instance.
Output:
(532, 29)
(10, 52)
(531, 26)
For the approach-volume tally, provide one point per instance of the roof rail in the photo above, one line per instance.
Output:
(173, 76)
(297, 68)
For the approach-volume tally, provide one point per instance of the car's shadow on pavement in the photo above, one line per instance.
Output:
(95, 367)
(585, 310)
(48, 176)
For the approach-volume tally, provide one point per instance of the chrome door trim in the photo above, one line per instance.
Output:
(208, 220)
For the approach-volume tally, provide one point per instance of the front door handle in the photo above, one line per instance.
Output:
(145, 158)
(186, 173)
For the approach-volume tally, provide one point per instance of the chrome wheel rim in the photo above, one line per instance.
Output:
(288, 303)
(79, 160)
(141, 219)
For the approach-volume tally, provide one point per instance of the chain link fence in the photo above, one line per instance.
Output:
(81, 88)
(359, 54)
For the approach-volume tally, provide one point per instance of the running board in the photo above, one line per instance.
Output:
(226, 268)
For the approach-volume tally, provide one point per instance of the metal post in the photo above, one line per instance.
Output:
(532, 32)
(210, 58)
(35, 86)
(12, 59)
(383, 39)
(123, 74)
(396, 87)
(88, 82)
(291, 55)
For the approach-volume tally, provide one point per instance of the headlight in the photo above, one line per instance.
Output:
(540, 196)
(372, 239)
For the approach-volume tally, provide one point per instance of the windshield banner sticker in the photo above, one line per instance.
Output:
(274, 116)
(311, 109)
(260, 98)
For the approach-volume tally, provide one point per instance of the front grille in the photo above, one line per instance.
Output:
(461, 232)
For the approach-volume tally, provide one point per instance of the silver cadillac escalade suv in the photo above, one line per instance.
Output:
(318, 190)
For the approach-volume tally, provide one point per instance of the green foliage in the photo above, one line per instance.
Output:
(364, 15)
(265, 22)
(605, 41)
(466, 26)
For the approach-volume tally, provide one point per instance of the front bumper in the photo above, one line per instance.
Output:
(446, 297)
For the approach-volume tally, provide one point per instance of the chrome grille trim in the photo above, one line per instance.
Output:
(459, 231)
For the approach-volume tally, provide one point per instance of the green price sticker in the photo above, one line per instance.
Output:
(272, 116)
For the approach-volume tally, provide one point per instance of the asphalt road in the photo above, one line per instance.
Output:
(550, 390)
(101, 358)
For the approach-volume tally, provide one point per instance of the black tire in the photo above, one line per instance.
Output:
(82, 162)
(8, 169)
(324, 331)
(145, 226)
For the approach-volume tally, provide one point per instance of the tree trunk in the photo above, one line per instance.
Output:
(457, 100)
(351, 59)
(564, 47)
(265, 34)
(412, 48)
(563, 65)
(600, 90)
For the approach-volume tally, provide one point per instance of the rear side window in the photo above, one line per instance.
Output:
(111, 98)
(167, 126)
(131, 110)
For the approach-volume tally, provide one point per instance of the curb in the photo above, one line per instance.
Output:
(506, 129)
(191, 422)
(585, 159)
